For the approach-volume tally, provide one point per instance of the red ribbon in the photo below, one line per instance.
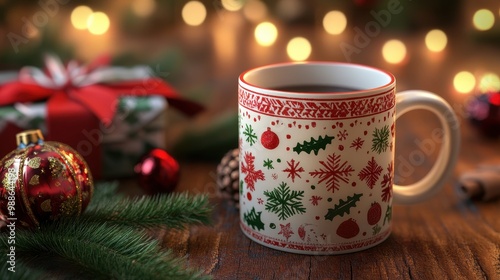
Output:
(74, 112)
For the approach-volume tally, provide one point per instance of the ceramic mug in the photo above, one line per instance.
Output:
(317, 149)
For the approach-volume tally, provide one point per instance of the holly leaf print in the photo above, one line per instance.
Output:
(252, 218)
(343, 207)
(314, 145)
(284, 202)
(380, 141)
(333, 172)
(248, 168)
(293, 169)
(370, 173)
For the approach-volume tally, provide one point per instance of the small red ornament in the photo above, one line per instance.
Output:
(42, 181)
(269, 139)
(158, 172)
(484, 113)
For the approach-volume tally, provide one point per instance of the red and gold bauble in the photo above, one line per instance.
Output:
(42, 181)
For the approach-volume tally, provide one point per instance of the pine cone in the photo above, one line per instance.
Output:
(228, 177)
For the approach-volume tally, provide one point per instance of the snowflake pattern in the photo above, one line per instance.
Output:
(293, 169)
(342, 135)
(248, 168)
(315, 200)
(333, 172)
(357, 143)
(286, 231)
(387, 183)
(268, 163)
(380, 141)
(370, 173)
(251, 136)
(284, 202)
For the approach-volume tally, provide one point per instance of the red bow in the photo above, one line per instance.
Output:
(79, 97)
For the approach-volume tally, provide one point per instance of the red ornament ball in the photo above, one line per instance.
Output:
(269, 139)
(42, 181)
(158, 172)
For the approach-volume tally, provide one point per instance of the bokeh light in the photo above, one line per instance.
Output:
(80, 16)
(255, 10)
(464, 82)
(143, 8)
(489, 82)
(334, 22)
(394, 51)
(483, 19)
(298, 49)
(232, 5)
(266, 33)
(98, 23)
(436, 40)
(194, 13)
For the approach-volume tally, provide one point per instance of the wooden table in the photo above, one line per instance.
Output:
(446, 237)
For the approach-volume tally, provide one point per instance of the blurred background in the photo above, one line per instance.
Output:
(200, 47)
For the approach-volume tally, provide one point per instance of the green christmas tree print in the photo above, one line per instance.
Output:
(380, 141)
(251, 136)
(314, 145)
(343, 207)
(253, 219)
(284, 202)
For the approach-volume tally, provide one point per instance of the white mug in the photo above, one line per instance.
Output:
(317, 156)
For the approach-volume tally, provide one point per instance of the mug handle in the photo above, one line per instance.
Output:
(433, 181)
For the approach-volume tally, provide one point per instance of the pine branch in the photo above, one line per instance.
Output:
(173, 211)
(20, 272)
(105, 250)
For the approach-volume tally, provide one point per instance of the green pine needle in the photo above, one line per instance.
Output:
(104, 250)
(109, 241)
(173, 211)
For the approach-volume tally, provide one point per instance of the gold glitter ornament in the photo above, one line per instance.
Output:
(42, 181)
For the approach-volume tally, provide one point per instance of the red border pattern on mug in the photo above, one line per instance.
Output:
(313, 109)
(269, 241)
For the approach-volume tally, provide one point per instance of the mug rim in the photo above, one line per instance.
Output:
(264, 90)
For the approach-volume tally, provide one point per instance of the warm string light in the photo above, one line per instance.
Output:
(83, 18)
(436, 40)
(334, 22)
(394, 51)
(194, 13)
(266, 34)
(483, 19)
(489, 82)
(232, 5)
(464, 82)
(79, 17)
(298, 49)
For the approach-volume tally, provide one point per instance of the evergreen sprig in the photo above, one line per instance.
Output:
(173, 211)
(109, 240)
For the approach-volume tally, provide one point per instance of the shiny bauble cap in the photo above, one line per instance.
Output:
(29, 137)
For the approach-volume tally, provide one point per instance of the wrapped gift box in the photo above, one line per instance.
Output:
(137, 127)
(112, 116)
